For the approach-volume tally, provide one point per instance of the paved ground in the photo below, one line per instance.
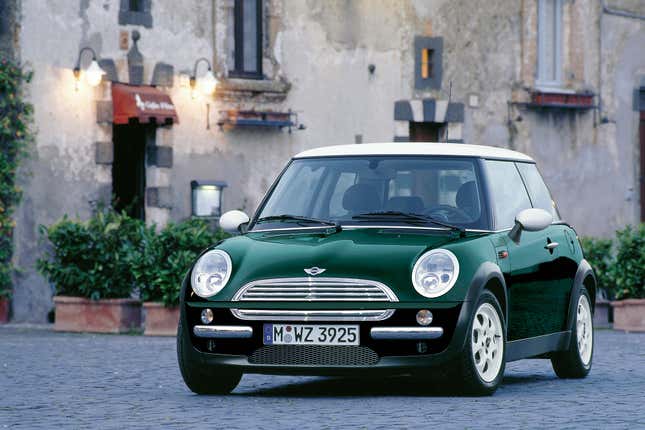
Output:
(50, 380)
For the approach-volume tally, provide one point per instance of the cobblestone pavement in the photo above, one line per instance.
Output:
(52, 380)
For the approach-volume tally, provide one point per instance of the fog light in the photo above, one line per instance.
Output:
(207, 316)
(424, 317)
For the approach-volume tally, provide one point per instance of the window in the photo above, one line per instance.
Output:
(135, 12)
(428, 62)
(135, 5)
(508, 194)
(549, 67)
(341, 188)
(538, 191)
(245, 33)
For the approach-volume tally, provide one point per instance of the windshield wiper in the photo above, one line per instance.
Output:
(289, 217)
(407, 216)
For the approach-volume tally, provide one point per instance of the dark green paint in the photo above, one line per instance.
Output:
(538, 282)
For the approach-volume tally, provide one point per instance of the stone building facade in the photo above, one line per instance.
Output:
(562, 80)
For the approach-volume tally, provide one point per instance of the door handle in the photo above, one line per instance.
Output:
(551, 245)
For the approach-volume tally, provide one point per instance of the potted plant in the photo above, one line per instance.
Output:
(628, 274)
(159, 266)
(5, 292)
(88, 266)
(598, 252)
(4, 307)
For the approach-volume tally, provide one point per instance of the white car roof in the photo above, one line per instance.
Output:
(416, 148)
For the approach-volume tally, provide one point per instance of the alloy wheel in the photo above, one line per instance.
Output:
(584, 330)
(487, 342)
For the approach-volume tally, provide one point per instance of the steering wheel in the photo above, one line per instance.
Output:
(448, 213)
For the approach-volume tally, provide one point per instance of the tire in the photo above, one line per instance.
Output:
(575, 362)
(201, 380)
(487, 338)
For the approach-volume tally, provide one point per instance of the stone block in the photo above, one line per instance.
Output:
(159, 197)
(160, 156)
(104, 111)
(104, 153)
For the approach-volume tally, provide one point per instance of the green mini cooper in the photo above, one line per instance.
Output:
(428, 259)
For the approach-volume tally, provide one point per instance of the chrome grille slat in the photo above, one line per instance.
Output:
(316, 293)
(312, 315)
(315, 289)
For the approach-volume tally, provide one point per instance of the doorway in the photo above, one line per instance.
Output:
(129, 168)
(425, 131)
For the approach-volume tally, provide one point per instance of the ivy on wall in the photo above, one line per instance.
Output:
(15, 136)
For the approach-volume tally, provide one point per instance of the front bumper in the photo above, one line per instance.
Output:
(378, 333)
(397, 345)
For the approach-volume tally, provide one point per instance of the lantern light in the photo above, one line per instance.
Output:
(94, 73)
(206, 83)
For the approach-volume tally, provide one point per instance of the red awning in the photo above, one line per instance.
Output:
(142, 103)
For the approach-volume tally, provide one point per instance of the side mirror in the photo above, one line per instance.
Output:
(232, 221)
(530, 220)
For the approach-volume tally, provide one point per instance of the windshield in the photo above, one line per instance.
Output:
(377, 190)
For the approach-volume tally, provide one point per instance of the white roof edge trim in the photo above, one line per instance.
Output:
(416, 148)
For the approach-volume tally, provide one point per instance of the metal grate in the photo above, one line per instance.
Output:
(315, 290)
(312, 355)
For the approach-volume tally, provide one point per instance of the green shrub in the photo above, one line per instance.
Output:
(15, 136)
(628, 270)
(114, 256)
(163, 258)
(90, 259)
(598, 252)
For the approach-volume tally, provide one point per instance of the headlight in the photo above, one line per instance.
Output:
(435, 272)
(211, 273)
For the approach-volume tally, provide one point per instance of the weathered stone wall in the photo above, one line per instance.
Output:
(316, 58)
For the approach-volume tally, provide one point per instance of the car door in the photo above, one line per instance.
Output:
(559, 272)
(529, 270)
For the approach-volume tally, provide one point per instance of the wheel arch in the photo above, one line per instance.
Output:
(489, 277)
(586, 278)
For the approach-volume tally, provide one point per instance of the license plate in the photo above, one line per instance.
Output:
(308, 334)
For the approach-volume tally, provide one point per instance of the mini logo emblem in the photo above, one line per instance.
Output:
(313, 271)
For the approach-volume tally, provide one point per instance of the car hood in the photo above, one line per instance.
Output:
(384, 255)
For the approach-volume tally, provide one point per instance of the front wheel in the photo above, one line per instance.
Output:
(199, 379)
(575, 362)
(483, 360)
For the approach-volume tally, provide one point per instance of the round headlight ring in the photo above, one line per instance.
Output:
(208, 281)
(436, 277)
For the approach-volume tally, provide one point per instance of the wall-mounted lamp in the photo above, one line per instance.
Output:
(207, 198)
(93, 74)
(208, 82)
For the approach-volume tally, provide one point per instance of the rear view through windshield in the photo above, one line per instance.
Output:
(378, 190)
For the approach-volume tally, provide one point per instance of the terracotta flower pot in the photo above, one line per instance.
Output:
(629, 314)
(79, 314)
(160, 320)
(4, 310)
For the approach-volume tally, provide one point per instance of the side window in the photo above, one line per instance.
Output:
(538, 191)
(246, 22)
(508, 194)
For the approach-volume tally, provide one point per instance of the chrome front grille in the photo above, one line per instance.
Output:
(315, 290)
